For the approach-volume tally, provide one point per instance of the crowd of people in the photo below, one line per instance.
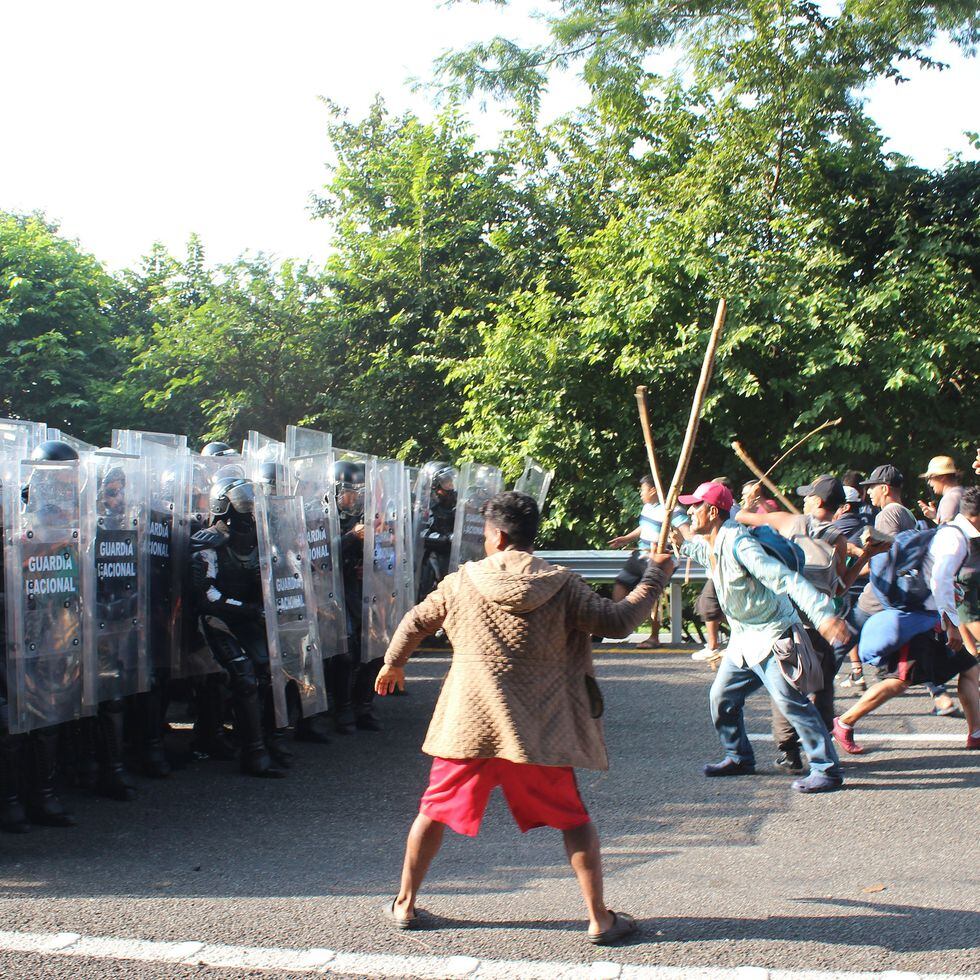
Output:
(856, 579)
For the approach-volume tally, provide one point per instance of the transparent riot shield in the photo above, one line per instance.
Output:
(301, 441)
(477, 483)
(79, 445)
(431, 515)
(31, 432)
(138, 442)
(115, 581)
(311, 478)
(265, 463)
(295, 658)
(409, 584)
(193, 658)
(384, 513)
(352, 473)
(535, 481)
(45, 649)
(167, 477)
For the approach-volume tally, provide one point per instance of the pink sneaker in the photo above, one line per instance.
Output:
(844, 737)
(973, 742)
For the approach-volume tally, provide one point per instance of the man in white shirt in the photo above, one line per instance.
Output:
(917, 654)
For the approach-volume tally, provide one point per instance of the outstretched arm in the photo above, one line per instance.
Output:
(594, 614)
(421, 621)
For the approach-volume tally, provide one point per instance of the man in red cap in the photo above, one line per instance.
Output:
(768, 645)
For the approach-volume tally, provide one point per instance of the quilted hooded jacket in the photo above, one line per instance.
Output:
(521, 632)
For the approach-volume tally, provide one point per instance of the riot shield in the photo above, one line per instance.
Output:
(477, 483)
(535, 481)
(384, 573)
(139, 442)
(167, 477)
(301, 441)
(45, 649)
(295, 658)
(115, 584)
(311, 478)
(33, 433)
(409, 583)
(265, 463)
(79, 445)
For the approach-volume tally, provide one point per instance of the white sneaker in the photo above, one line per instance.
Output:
(707, 653)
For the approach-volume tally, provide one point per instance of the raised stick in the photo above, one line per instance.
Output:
(809, 435)
(641, 404)
(763, 479)
(693, 422)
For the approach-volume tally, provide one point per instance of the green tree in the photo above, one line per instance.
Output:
(54, 326)
(753, 174)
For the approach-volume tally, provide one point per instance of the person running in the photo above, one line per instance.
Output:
(768, 643)
(520, 705)
(645, 537)
(912, 644)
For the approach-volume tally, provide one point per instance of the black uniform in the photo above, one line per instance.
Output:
(228, 595)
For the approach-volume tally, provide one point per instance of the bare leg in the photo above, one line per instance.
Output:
(968, 686)
(582, 848)
(873, 698)
(714, 633)
(971, 635)
(424, 841)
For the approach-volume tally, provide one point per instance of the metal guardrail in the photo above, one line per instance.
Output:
(604, 566)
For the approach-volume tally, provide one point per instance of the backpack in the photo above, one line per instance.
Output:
(896, 576)
(776, 546)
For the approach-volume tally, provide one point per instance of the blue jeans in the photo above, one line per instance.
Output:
(728, 693)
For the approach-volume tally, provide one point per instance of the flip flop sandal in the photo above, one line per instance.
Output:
(399, 921)
(951, 712)
(623, 925)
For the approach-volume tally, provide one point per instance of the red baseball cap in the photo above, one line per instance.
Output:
(715, 494)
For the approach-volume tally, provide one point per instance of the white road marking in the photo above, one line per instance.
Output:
(330, 962)
(882, 737)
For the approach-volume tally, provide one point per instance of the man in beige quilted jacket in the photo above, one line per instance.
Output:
(520, 707)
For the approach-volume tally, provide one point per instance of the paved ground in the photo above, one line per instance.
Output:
(723, 873)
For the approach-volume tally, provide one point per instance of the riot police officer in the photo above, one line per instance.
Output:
(437, 533)
(228, 595)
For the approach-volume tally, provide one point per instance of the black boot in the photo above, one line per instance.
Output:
(210, 739)
(155, 764)
(114, 782)
(279, 749)
(13, 818)
(43, 806)
(84, 753)
(312, 729)
(255, 759)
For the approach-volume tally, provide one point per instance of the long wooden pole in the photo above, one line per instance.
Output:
(641, 404)
(763, 479)
(795, 446)
(707, 368)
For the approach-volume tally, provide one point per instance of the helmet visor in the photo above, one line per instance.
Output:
(242, 498)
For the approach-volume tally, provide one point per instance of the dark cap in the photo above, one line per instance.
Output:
(828, 488)
(889, 475)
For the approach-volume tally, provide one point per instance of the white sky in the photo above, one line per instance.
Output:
(130, 121)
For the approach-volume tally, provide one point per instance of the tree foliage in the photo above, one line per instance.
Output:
(493, 303)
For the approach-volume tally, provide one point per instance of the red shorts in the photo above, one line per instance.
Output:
(538, 796)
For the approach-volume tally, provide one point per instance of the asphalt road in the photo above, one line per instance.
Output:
(722, 873)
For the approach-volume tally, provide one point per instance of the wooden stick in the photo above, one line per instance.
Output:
(763, 479)
(641, 404)
(694, 421)
(809, 435)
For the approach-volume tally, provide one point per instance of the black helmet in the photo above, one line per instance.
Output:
(231, 492)
(218, 449)
(53, 450)
(444, 485)
(270, 477)
(348, 480)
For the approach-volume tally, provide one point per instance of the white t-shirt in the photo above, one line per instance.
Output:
(652, 520)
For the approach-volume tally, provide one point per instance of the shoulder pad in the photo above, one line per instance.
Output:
(208, 539)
